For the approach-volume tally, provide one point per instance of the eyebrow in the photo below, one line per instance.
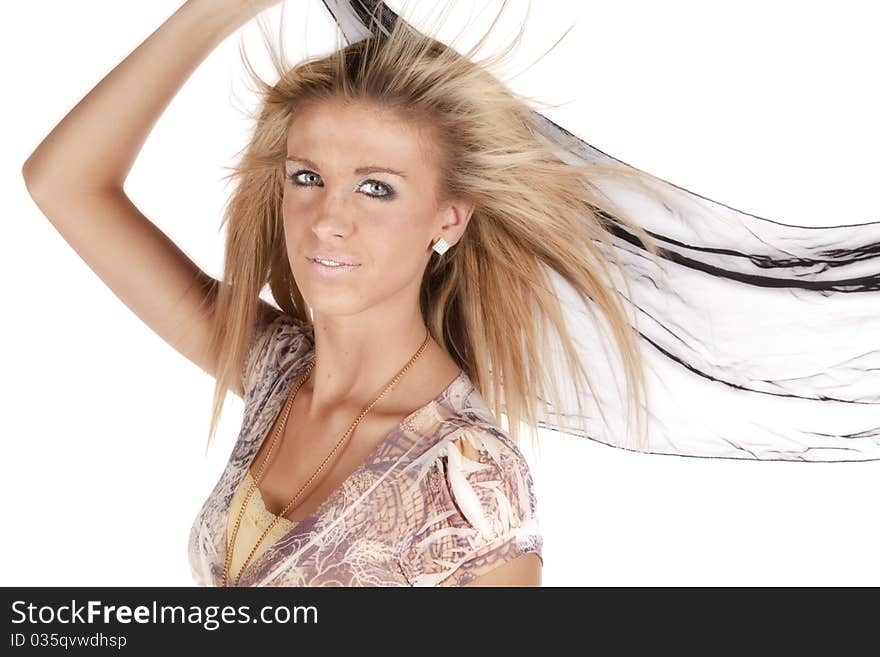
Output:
(370, 168)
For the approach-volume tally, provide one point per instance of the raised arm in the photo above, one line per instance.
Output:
(76, 176)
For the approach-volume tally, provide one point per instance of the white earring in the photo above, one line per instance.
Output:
(441, 246)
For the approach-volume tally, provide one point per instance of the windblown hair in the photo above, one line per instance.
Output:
(533, 211)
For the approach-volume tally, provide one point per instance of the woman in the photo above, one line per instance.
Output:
(475, 525)
(428, 490)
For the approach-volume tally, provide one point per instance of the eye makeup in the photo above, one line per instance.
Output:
(387, 195)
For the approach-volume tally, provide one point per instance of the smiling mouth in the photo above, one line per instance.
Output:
(329, 268)
(332, 263)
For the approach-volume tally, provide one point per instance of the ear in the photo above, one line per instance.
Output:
(452, 220)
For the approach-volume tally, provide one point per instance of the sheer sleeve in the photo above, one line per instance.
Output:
(482, 511)
(274, 341)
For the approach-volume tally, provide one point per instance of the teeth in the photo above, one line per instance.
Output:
(330, 263)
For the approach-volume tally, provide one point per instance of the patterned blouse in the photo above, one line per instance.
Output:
(416, 512)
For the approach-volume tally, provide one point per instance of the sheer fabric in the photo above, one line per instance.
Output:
(761, 340)
(416, 512)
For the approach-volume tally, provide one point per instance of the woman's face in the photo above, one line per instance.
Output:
(335, 204)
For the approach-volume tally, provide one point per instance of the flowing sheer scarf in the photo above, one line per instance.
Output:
(760, 339)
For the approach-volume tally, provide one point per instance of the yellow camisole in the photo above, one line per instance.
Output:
(253, 523)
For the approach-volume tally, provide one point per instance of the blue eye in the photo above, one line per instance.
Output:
(293, 178)
(387, 194)
(388, 191)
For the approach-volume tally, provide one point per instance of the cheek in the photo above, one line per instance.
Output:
(295, 218)
(291, 208)
(401, 235)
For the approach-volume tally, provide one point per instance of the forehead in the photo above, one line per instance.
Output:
(334, 133)
(332, 130)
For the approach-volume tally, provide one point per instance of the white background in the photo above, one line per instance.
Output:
(770, 108)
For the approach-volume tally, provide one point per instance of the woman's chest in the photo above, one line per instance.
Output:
(300, 464)
(356, 538)
(352, 527)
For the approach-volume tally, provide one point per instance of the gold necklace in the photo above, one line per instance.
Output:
(279, 430)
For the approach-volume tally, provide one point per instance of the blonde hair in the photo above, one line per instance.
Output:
(532, 210)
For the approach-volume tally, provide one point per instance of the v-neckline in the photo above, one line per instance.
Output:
(281, 392)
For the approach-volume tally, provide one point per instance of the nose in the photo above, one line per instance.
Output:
(333, 220)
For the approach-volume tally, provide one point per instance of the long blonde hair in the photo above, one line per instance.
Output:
(533, 210)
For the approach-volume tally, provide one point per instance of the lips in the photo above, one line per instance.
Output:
(336, 272)
(333, 259)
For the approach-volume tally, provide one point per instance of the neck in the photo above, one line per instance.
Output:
(357, 356)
